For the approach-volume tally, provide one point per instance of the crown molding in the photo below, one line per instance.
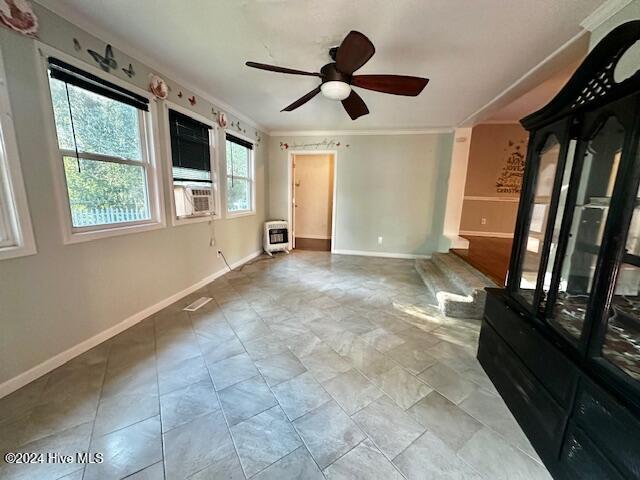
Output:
(101, 34)
(472, 119)
(345, 133)
(603, 13)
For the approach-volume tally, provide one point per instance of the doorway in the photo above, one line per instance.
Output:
(312, 186)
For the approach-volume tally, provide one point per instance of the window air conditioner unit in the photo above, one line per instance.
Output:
(193, 200)
(276, 237)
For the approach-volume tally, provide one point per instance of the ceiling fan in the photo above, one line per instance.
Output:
(338, 79)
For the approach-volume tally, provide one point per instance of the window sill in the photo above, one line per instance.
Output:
(176, 222)
(88, 236)
(247, 213)
(16, 252)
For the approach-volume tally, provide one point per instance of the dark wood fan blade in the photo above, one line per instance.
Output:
(394, 84)
(355, 106)
(302, 100)
(355, 50)
(273, 68)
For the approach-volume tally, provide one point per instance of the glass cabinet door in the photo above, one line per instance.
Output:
(621, 345)
(597, 179)
(532, 249)
(557, 224)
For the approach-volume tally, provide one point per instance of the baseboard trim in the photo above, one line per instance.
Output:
(367, 253)
(456, 241)
(54, 362)
(475, 198)
(486, 234)
(313, 237)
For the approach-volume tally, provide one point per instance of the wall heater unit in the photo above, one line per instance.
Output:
(276, 236)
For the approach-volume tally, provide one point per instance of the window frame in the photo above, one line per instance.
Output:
(215, 173)
(148, 133)
(12, 186)
(251, 178)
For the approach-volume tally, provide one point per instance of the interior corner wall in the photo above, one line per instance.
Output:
(66, 294)
(389, 186)
(492, 145)
(455, 190)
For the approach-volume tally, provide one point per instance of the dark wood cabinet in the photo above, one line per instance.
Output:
(562, 341)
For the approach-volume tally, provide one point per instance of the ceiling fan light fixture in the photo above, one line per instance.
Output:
(335, 90)
(337, 77)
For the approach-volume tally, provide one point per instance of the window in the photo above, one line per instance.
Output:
(102, 132)
(240, 185)
(194, 180)
(16, 234)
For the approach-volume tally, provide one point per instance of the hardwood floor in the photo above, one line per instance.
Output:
(319, 245)
(490, 255)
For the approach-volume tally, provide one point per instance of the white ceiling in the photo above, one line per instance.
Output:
(470, 49)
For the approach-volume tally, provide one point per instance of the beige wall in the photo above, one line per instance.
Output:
(500, 217)
(390, 186)
(491, 177)
(313, 184)
(66, 294)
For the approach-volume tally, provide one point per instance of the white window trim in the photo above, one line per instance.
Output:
(251, 178)
(70, 234)
(13, 183)
(213, 133)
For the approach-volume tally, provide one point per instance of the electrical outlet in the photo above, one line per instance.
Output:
(483, 221)
(379, 240)
(219, 253)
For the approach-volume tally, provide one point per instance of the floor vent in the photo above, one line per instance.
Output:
(201, 302)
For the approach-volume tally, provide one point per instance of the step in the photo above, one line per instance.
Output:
(458, 287)
(435, 280)
(464, 276)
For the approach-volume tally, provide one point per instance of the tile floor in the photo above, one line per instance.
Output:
(304, 366)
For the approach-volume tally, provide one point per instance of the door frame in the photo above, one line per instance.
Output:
(290, 213)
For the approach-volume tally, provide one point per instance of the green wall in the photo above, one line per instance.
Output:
(394, 186)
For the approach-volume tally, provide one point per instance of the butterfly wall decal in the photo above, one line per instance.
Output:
(129, 71)
(106, 62)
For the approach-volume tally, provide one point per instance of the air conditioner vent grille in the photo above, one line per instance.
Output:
(201, 204)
